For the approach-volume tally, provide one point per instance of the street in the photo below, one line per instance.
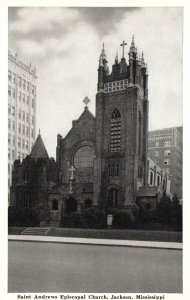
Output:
(58, 267)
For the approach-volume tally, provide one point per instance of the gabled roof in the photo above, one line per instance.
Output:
(39, 150)
(86, 113)
(147, 191)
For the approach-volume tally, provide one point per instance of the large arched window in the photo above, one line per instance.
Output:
(113, 198)
(115, 131)
(84, 158)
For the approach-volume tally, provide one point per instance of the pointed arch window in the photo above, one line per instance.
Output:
(115, 131)
(113, 198)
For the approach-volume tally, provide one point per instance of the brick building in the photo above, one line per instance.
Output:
(21, 110)
(102, 161)
(165, 148)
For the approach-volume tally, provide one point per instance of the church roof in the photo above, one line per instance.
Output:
(86, 113)
(147, 191)
(39, 150)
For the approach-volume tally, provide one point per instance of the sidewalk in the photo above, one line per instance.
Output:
(103, 242)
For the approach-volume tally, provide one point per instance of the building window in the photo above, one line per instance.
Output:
(27, 131)
(113, 169)
(115, 131)
(32, 133)
(23, 98)
(9, 153)
(23, 144)
(140, 172)
(32, 102)
(157, 144)
(54, 204)
(26, 144)
(18, 155)
(113, 198)
(19, 128)
(151, 178)
(32, 89)
(27, 117)
(23, 84)
(23, 115)
(13, 140)
(167, 143)
(13, 125)
(157, 153)
(27, 84)
(19, 81)
(14, 93)
(19, 114)
(84, 158)
(9, 109)
(13, 111)
(166, 161)
(167, 152)
(9, 75)
(9, 123)
(13, 155)
(23, 129)
(19, 142)
(87, 203)
(32, 120)
(14, 78)
(27, 99)
(9, 139)
(19, 96)
(9, 90)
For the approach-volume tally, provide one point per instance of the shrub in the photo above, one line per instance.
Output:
(23, 217)
(89, 218)
(123, 219)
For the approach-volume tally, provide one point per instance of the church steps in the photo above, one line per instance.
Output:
(36, 231)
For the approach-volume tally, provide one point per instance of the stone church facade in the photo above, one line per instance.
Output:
(102, 161)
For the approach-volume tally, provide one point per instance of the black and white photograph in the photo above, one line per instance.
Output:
(95, 151)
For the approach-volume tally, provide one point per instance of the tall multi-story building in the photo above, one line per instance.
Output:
(21, 110)
(165, 148)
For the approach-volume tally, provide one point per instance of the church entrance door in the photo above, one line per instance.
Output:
(71, 205)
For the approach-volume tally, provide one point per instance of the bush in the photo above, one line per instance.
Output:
(123, 219)
(89, 218)
(23, 217)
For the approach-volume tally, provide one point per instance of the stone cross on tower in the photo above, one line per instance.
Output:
(72, 169)
(86, 101)
(123, 45)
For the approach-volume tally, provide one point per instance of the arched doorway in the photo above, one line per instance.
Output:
(87, 203)
(71, 205)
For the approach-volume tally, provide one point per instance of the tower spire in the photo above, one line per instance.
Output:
(132, 47)
(103, 53)
(116, 57)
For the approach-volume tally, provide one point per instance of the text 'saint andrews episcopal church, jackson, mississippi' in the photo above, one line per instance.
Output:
(102, 161)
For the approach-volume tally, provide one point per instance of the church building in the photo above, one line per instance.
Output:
(102, 161)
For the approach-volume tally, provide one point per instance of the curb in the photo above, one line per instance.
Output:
(99, 242)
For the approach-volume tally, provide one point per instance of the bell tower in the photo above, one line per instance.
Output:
(120, 166)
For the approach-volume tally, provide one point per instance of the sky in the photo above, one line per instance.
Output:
(65, 43)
